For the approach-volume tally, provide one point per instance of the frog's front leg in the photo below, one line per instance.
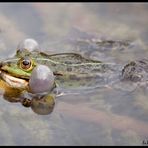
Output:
(10, 94)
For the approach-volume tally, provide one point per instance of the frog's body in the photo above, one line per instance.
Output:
(73, 70)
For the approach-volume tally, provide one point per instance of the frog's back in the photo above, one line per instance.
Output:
(71, 58)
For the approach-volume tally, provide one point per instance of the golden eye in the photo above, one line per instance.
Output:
(26, 64)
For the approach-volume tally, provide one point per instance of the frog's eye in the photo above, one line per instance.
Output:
(26, 64)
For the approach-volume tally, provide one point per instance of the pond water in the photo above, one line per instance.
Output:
(102, 116)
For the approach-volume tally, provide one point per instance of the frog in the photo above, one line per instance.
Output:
(70, 70)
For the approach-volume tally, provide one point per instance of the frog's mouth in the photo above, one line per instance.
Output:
(13, 81)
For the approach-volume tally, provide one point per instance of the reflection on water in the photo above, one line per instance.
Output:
(104, 116)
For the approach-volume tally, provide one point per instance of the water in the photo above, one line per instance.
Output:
(103, 116)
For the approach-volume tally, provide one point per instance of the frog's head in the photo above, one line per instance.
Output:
(17, 71)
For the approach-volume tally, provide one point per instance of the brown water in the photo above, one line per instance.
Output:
(103, 116)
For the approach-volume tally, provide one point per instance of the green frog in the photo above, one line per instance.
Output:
(70, 70)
